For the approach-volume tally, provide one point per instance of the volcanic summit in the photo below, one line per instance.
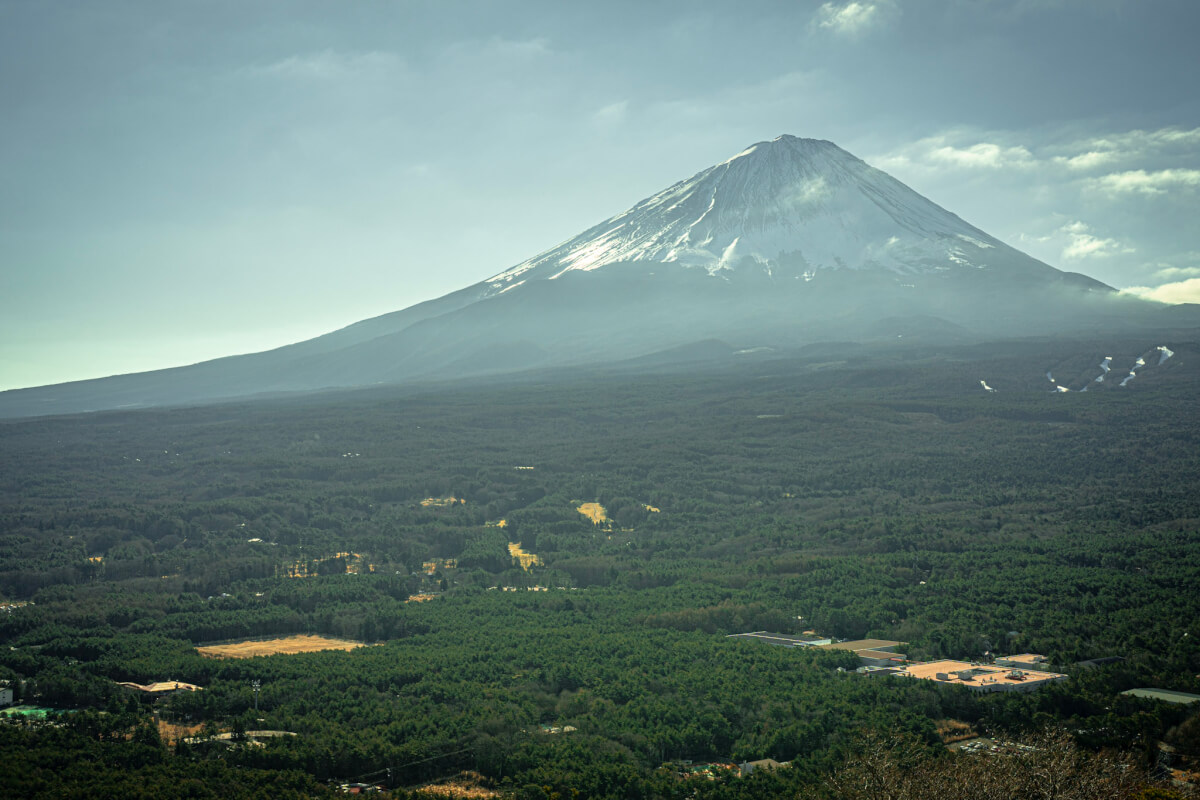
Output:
(789, 242)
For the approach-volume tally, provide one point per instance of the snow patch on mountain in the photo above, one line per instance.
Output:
(788, 207)
(1163, 354)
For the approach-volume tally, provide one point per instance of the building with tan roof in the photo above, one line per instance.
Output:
(883, 645)
(980, 677)
(1024, 661)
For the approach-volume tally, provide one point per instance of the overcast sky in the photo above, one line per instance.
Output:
(185, 180)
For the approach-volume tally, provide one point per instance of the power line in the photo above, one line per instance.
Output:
(390, 770)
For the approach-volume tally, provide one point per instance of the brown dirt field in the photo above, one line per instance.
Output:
(595, 512)
(952, 730)
(526, 558)
(170, 732)
(466, 786)
(287, 645)
(441, 502)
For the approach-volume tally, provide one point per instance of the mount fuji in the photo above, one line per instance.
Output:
(786, 208)
(790, 242)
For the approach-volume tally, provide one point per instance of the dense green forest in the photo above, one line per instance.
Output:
(857, 494)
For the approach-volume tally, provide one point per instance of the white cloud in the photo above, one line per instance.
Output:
(1082, 244)
(330, 65)
(1131, 147)
(941, 152)
(808, 192)
(1179, 292)
(984, 155)
(969, 149)
(1169, 273)
(1032, 188)
(1140, 181)
(612, 114)
(853, 18)
(1138, 141)
(498, 49)
(518, 48)
(1086, 161)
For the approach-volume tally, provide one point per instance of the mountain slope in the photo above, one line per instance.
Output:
(790, 242)
(788, 207)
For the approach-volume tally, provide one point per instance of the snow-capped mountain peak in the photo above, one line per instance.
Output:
(789, 207)
(788, 243)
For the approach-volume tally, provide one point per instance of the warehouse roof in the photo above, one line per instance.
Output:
(864, 644)
(1166, 695)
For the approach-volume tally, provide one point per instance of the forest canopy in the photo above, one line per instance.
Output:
(875, 499)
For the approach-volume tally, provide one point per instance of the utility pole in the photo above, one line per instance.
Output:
(255, 685)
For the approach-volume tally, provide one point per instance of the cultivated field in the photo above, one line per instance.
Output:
(269, 647)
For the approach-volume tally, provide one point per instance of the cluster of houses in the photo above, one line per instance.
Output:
(1020, 673)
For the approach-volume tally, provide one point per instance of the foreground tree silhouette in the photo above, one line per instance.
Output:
(1048, 767)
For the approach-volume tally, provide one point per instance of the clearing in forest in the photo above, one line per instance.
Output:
(464, 786)
(311, 569)
(527, 559)
(953, 730)
(269, 647)
(595, 512)
(170, 732)
(441, 502)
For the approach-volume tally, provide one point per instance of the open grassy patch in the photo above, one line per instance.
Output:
(269, 647)
(595, 512)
